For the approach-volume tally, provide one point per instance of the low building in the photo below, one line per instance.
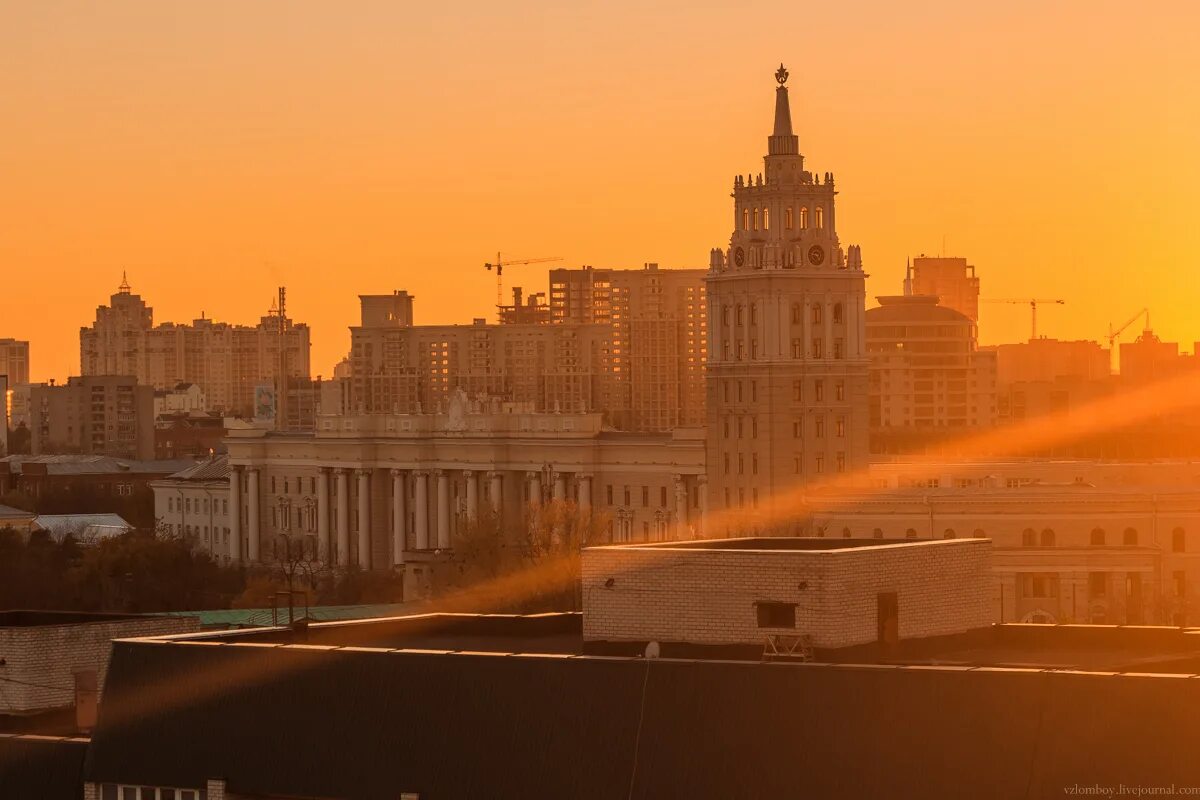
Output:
(16, 519)
(182, 398)
(194, 503)
(188, 435)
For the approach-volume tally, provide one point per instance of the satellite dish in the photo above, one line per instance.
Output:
(652, 650)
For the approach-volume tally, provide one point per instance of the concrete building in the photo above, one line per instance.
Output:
(384, 490)
(1048, 360)
(398, 367)
(951, 280)
(658, 339)
(787, 361)
(194, 504)
(929, 378)
(744, 592)
(107, 415)
(14, 360)
(226, 361)
(183, 398)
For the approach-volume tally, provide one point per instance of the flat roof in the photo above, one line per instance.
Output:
(35, 619)
(787, 543)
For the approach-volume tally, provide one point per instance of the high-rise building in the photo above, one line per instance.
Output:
(226, 361)
(111, 415)
(951, 280)
(928, 376)
(399, 367)
(14, 361)
(787, 362)
(657, 339)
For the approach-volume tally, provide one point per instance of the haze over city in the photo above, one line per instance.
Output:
(598, 401)
(217, 151)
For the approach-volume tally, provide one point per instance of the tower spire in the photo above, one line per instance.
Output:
(124, 288)
(782, 142)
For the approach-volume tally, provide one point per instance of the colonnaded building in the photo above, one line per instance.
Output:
(389, 482)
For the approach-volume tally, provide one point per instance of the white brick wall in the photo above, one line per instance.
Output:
(40, 660)
(708, 596)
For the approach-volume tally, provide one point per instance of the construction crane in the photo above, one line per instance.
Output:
(1033, 304)
(1113, 333)
(499, 264)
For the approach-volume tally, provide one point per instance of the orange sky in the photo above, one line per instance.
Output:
(216, 150)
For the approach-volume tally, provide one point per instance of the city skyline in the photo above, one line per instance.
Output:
(377, 162)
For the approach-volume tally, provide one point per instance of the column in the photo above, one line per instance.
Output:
(806, 326)
(252, 502)
(323, 553)
(560, 487)
(235, 513)
(828, 316)
(680, 507)
(443, 509)
(422, 509)
(364, 518)
(585, 491)
(399, 516)
(472, 494)
(497, 490)
(702, 494)
(534, 479)
(343, 517)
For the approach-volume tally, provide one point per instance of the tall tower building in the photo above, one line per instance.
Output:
(787, 363)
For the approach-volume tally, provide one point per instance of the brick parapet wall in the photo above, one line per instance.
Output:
(709, 596)
(40, 660)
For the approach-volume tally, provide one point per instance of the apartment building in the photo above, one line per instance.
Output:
(111, 415)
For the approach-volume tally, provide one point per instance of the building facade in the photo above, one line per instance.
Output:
(14, 360)
(107, 415)
(928, 376)
(951, 280)
(657, 322)
(382, 490)
(194, 504)
(787, 362)
(226, 361)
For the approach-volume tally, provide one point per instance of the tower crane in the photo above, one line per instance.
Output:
(499, 264)
(1033, 304)
(1113, 333)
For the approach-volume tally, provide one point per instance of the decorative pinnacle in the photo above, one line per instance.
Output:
(781, 74)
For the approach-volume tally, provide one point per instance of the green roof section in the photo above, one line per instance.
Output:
(259, 617)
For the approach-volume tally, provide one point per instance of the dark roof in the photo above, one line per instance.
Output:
(96, 465)
(913, 309)
(358, 722)
(8, 512)
(42, 767)
(215, 468)
(34, 619)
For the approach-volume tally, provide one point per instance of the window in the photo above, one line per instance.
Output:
(797, 428)
(1097, 537)
(819, 390)
(911, 533)
(776, 615)
(1178, 540)
(1047, 538)
(798, 390)
(725, 458)
(645, 496)
(787, 218)
(817, 313)
(756, 218)
(738, 315)
(845, 533)
(819, 217)
(608, 492)
(803, 217)
(979, 534)
(745, 219)
(837, 313)
(948, 533)
(819, 427)
(841, 427)
(1129, 537)
(1028, 537)
(840, 390)
(820, 464)
(1038, 585)
(818, 349)
(1179, 582)
(766, 219)
(877, 533)
(1097, 584)
(841, 462)
(753, 465)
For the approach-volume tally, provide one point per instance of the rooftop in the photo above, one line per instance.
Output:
(95, 465)
(39, 619)
(784, 543)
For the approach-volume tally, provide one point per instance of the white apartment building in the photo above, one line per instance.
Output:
(194, 504)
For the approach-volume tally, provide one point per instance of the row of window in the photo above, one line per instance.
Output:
(817, 314)
(1099, 538)
(754, 219)
(738, 391)
(200, 506)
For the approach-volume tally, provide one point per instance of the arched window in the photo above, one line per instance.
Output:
(756, 217)
(821, 531)
(1130, 537)
(803, 217)
(948, 533)
(819, 218)
(766, 219)
(877, 533)
(979, 534)
(787, 218)
(1178, 540)
(911, 533)
(745, 219)
(1028, 537)
(1047, 538)
(796, 312)
(845, 533)
(1097, 537)
(738, 316)
(837, 313)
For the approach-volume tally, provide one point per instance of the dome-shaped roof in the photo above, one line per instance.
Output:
(909, 309)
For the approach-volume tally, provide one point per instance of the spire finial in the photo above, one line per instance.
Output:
(124, 287)
(781, 74)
